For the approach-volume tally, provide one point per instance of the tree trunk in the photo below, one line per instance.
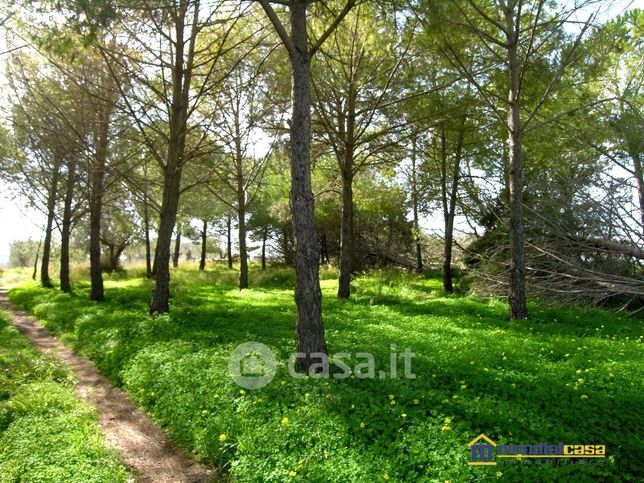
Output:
(264, 236)
(517, 289)
(346, 130)
(241, 210)
(51, 213)
(33, 275)
(346, 236)
(243, 256)
(639, 180)
(146, 227)
(177, 248)
(115, 256)
(96, 199)
(204, 248)
(65, 283)
(308, 296)
(182, 65)
(111, 257)
(168, 215)
(324, 256)
(229, 242)
(450, 209)
(414, 199)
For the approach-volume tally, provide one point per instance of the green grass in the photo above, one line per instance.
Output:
(46, 434)
(565, 375)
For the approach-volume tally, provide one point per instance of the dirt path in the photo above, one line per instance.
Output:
(142, 445)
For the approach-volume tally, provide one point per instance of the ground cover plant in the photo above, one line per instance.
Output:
(46, 433)
(566, 374)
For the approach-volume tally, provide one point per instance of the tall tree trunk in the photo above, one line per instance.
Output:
(639, 180)
(308, 296)
(346, 235)
(243, 256)
(45, 281)
(169, 206)
(115, 256)
(414, 200)
(33, 275)
(229, 242)
(264, 236)
(346, 130)
(65, 283)
(96, 196)
(146, 227)
(324, 257)
(517, 289)
(450, 210)
(204, 248)
(177, 248)
(241, 208)
(182, 65)
(111, 257)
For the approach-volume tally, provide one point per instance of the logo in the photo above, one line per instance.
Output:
(483, 451)
(252, 365)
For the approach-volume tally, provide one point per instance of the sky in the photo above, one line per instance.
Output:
(19, 222)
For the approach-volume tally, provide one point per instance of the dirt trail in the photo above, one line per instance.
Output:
(142, 445)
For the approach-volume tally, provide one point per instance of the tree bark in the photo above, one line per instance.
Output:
(115, 252)
(229, 242)
(449, 208)
(146, 227)
(182, 65)
(414, 199)
(65, 283)
(45, 280)
(177, 248)
(324, 256)
(346, 235)
(96, 194)
(517, 289)
(241, 207)
(33, 275)
(204, 248)
(264, 236)
(308, 296)
(243, 256)
(639, 180)
(170, 203)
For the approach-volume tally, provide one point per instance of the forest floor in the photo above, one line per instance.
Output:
(566, 374)
(140, 444)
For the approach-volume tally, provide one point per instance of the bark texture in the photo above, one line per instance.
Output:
(308, 296)
(182, 65)
(65, 234)
(45, 280)
(517, 288)
(204, 248)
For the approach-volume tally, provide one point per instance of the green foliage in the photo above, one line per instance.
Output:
(569, 374)
(22, 253)
(46, 434)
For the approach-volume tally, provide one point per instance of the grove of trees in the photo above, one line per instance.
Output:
(499, 141)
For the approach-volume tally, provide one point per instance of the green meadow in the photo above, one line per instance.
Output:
(566, 374)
